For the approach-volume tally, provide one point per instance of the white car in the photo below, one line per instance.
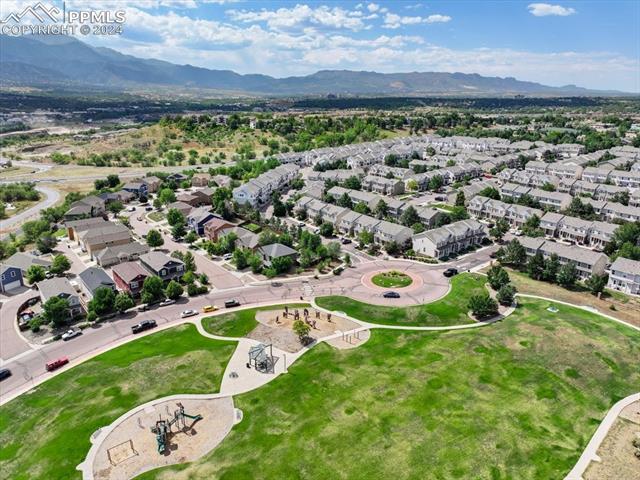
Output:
(166, 302)
(131, 209)
(73, 333)
(227, 256)
(188, 313)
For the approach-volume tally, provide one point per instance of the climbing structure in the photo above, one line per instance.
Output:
(162, 429)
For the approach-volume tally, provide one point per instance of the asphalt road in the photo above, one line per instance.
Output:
(51, 196)
(28, 366)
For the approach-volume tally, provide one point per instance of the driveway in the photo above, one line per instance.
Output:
(12, 343)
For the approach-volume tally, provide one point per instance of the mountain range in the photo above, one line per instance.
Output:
(50, 62)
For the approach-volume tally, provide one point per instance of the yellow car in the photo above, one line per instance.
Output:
(209, 308)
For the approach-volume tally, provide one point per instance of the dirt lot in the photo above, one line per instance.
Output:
(616, 452)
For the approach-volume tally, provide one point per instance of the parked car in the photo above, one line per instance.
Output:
(149, 208)
(209, 308)
(346, 241)
(301, 224)
(391, 295)
(493, 255)
(518, 233)
(450, 272)
(143, 325)
(188, 313)
(54, 365)
(72, 333)
(166, 302)
(131, 209)
(227, 256)
(440, 198)
(231, 303)
(144, 307)
(4, 373)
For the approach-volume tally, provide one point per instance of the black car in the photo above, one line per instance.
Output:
(450, 272)
(144, 325)
(391, 295)
(231, 304)
(149, 208)
(4, 373)
(346, 241)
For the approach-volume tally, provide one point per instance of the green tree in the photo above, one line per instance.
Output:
(123, 302)
(326, 230)
(365, 237)
(409, 216)
(113, 180)
(173, 290)
(255, 263)
(382, 209)
(535, 266)
(532, 228)
(506, 294)
(154, 238)
(152, 290)
(353, 183)
(301, 329)
(191, 237)
(459, 213)
(483, 306)
(240, 258)
(490, 192)
(103, 301)
(60, 265)
(35, 273)
(361, 208)
(436, 182)
(460, 199)
(115, 207)
(175, 216)
(500, 229)
(347, 259)
(567, 275)
(282, 264)
(551, 267)
(497, 277)
(56, 310)
(166, 196)
(597, 283)
(412, 185)
(178, 230)
(46, 243)
(514, 254)
(345, 201)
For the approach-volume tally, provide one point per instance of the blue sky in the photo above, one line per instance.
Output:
(594, 44)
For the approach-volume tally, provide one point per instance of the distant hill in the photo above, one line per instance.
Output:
(48, 62)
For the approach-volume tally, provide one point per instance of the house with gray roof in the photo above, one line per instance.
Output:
(198, 218)
(387, 232)
(115, 254)
(275, 250)
(94, 278)
(99, 237)
(162, 265)
(449, 239)
(23, 261)
(60, 287)
(624, 275)
(10, 278)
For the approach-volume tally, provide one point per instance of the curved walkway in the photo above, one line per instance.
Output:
(590, 453)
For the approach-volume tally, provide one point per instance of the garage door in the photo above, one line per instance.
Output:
(12, 285)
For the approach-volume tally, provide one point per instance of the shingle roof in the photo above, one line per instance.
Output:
(54, 287)
(157, 260)
(23, 261)
(129, 270)
(276, 250)
(94, 278)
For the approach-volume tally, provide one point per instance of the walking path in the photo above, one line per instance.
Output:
(590, 453)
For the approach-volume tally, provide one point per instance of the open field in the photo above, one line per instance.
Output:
(21, 206)
(450, 310)
(392, 279)
(627, 308)
(519, 399)
(7, 173)
(44, 434)
(241, 322)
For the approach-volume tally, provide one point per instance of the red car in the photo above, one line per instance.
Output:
(56, 364)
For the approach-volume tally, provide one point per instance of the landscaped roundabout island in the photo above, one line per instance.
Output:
(392, 279)
(519, 398)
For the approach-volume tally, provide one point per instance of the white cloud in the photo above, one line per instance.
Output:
(392, 20)
(546, 9)
(373, 7)
(300, 16)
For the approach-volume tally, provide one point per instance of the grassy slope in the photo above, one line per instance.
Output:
(450, 310)
(45, 434)
(519, 399)
(240, 322)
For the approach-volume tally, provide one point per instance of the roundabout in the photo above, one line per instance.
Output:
(392, 279)
(406, 281)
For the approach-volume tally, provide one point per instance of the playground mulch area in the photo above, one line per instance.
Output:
(280, 333)
(131, 448)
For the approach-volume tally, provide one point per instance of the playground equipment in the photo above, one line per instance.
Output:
(261, 358)
(162, 429)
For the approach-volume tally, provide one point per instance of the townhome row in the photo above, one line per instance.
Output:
(258, 191)
(592, 234)
(550, 200)
(587, 261)
(351, 223)
(600, 174)
(494, 210)
(450, 239)
(624, 275)
(449, 175)
(613, 211)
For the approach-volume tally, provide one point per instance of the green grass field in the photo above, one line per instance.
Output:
(450, 310)
(516, 400)
(392, 279)
(240, 322)
(45, 434)
(156, 216)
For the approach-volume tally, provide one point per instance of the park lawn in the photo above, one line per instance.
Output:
(625, 307)
(518, 399)
(392, 279)
(239, 323)
(449, 310)
(44, 434)
(156, 216)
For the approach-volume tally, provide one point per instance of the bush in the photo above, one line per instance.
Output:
(338, 271)
(92, 316)
(506, 294)
(483, 306)
(34, 324)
